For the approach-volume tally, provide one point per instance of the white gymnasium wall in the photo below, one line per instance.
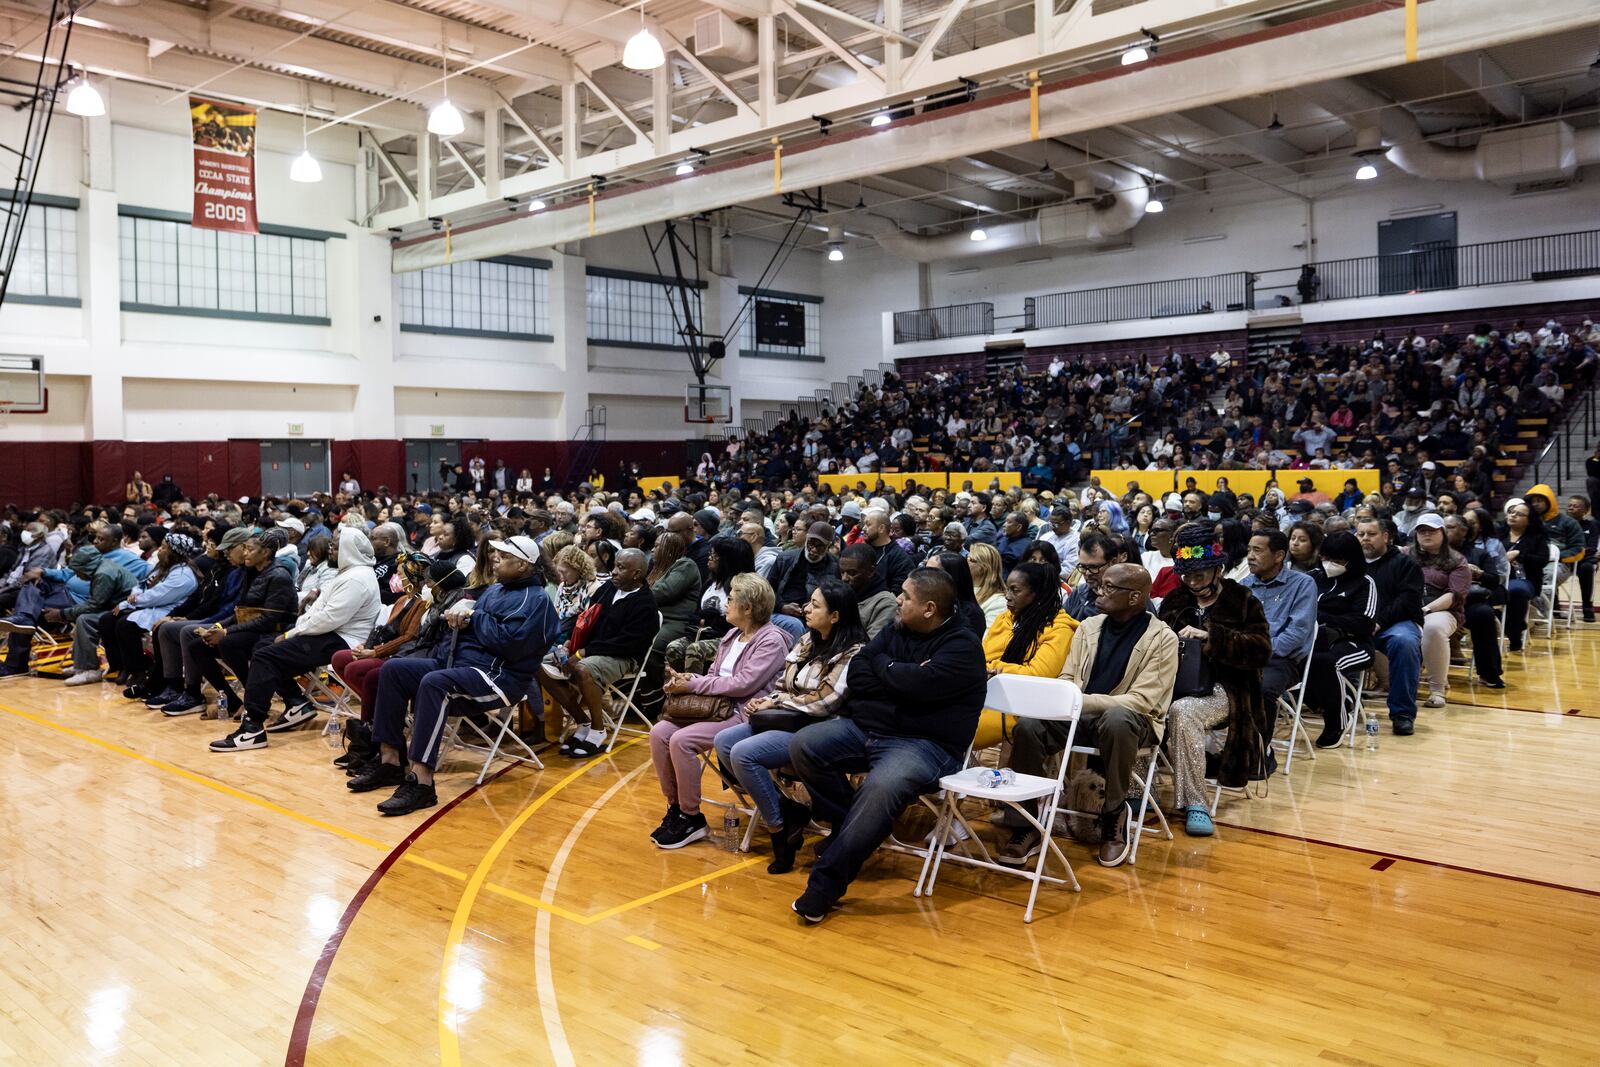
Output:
(1260, 231)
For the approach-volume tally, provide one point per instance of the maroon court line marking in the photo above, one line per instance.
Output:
(300, 1037)
(1413, 859)
(1575, 712)
(1384, 864)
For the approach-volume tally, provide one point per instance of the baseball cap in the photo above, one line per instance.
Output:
(1174, 502)
(1308, 481)
(236, 536)
(294, 524)
(821, 531)
(1430, 466)
(1429, 520)
(521, 546)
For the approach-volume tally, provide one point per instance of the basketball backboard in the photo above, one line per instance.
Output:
(707, 403)
(22, 383)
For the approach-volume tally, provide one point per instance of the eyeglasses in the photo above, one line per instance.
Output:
(1118, 589)
(1093, 568)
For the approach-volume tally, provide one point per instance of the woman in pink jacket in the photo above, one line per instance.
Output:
(749, 657)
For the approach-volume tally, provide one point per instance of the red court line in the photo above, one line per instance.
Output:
(1392, 856)
(300, 1037)
(1575, 712)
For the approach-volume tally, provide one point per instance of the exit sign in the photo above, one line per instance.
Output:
(296, 428)
(437, 429)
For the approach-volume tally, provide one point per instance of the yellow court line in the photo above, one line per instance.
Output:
(200, 779)
(449, 1044)
(642, 942)
(350, 835)
(688, 883)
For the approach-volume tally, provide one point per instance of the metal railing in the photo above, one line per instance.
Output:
(1143, 300)
(955, 320)
(1580, 419)
(1426, 268)
(1521, 259)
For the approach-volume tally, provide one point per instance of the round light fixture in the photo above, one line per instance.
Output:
(643, 51)
(1154, 207)
(84, 99)
(444, 120)
(1366, 172)
(880, 119)
(835, 254)
(305, 168)
(536, 204)
(684, 168)
(1137, 54)
(978, 234)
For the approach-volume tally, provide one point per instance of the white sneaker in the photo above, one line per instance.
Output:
(84, 678)
(292, 717)
(1435, 700)
(953, 836)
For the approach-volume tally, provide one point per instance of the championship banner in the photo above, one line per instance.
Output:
(224, 165)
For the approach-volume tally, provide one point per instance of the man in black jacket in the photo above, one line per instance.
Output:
(798, 572)
(614, 649)
(1399, 582)
(892, 562)
(914, 694)
(267, 607)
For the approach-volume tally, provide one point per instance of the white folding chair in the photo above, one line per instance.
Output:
(1351, 684)
(614, 693)
(1544, 606)
(329, 693)
(1292, 700)
(492, 747)
(1053, 699)
(741, 801)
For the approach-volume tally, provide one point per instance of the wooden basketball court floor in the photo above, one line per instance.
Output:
(1434, 902)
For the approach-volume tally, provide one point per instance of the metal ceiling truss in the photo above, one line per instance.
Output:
(1278, 54)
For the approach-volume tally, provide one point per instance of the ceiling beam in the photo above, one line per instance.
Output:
(270, 47)
(117, 57)
(1245, 136)
(1490, 81)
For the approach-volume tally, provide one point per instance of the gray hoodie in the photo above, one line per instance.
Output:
(348, 604)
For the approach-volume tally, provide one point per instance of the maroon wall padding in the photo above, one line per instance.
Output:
(244, 468)
(48, 474)
(109, 471)
(200, 468)
(374, 462)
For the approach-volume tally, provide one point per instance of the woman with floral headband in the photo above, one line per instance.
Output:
(1236, 643)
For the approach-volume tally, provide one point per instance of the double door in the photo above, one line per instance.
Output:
(292, 467)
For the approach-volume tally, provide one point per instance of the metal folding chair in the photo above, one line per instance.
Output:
(616, 722)
(1027, 698)
(1292, 700)
(501, 721)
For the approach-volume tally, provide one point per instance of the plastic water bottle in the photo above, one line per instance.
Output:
(1372, 733)
(333, 733)
(730, 829)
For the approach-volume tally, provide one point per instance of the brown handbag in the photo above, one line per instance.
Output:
(686, 709)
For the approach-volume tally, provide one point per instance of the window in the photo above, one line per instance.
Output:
(46, 269)
(507, 297)
(773, 308)
(170, 266)
(628, 310)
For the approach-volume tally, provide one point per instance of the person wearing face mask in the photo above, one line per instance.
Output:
(35, 553)
(798, 572)
(1237, 644)
(1347, 618)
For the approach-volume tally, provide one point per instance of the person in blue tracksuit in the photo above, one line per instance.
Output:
(499, 639)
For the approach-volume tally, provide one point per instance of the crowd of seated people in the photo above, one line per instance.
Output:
(792, 634)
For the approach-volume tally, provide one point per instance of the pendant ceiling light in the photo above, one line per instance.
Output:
(444, 120)
(305, 167)
(84, 99)
(643, 51)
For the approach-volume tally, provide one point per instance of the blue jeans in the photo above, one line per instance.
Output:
(1402, 645)
(789, 625)
(751, 758)
(899, 769)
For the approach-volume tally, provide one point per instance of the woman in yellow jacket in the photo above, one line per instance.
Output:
(1031, 636)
